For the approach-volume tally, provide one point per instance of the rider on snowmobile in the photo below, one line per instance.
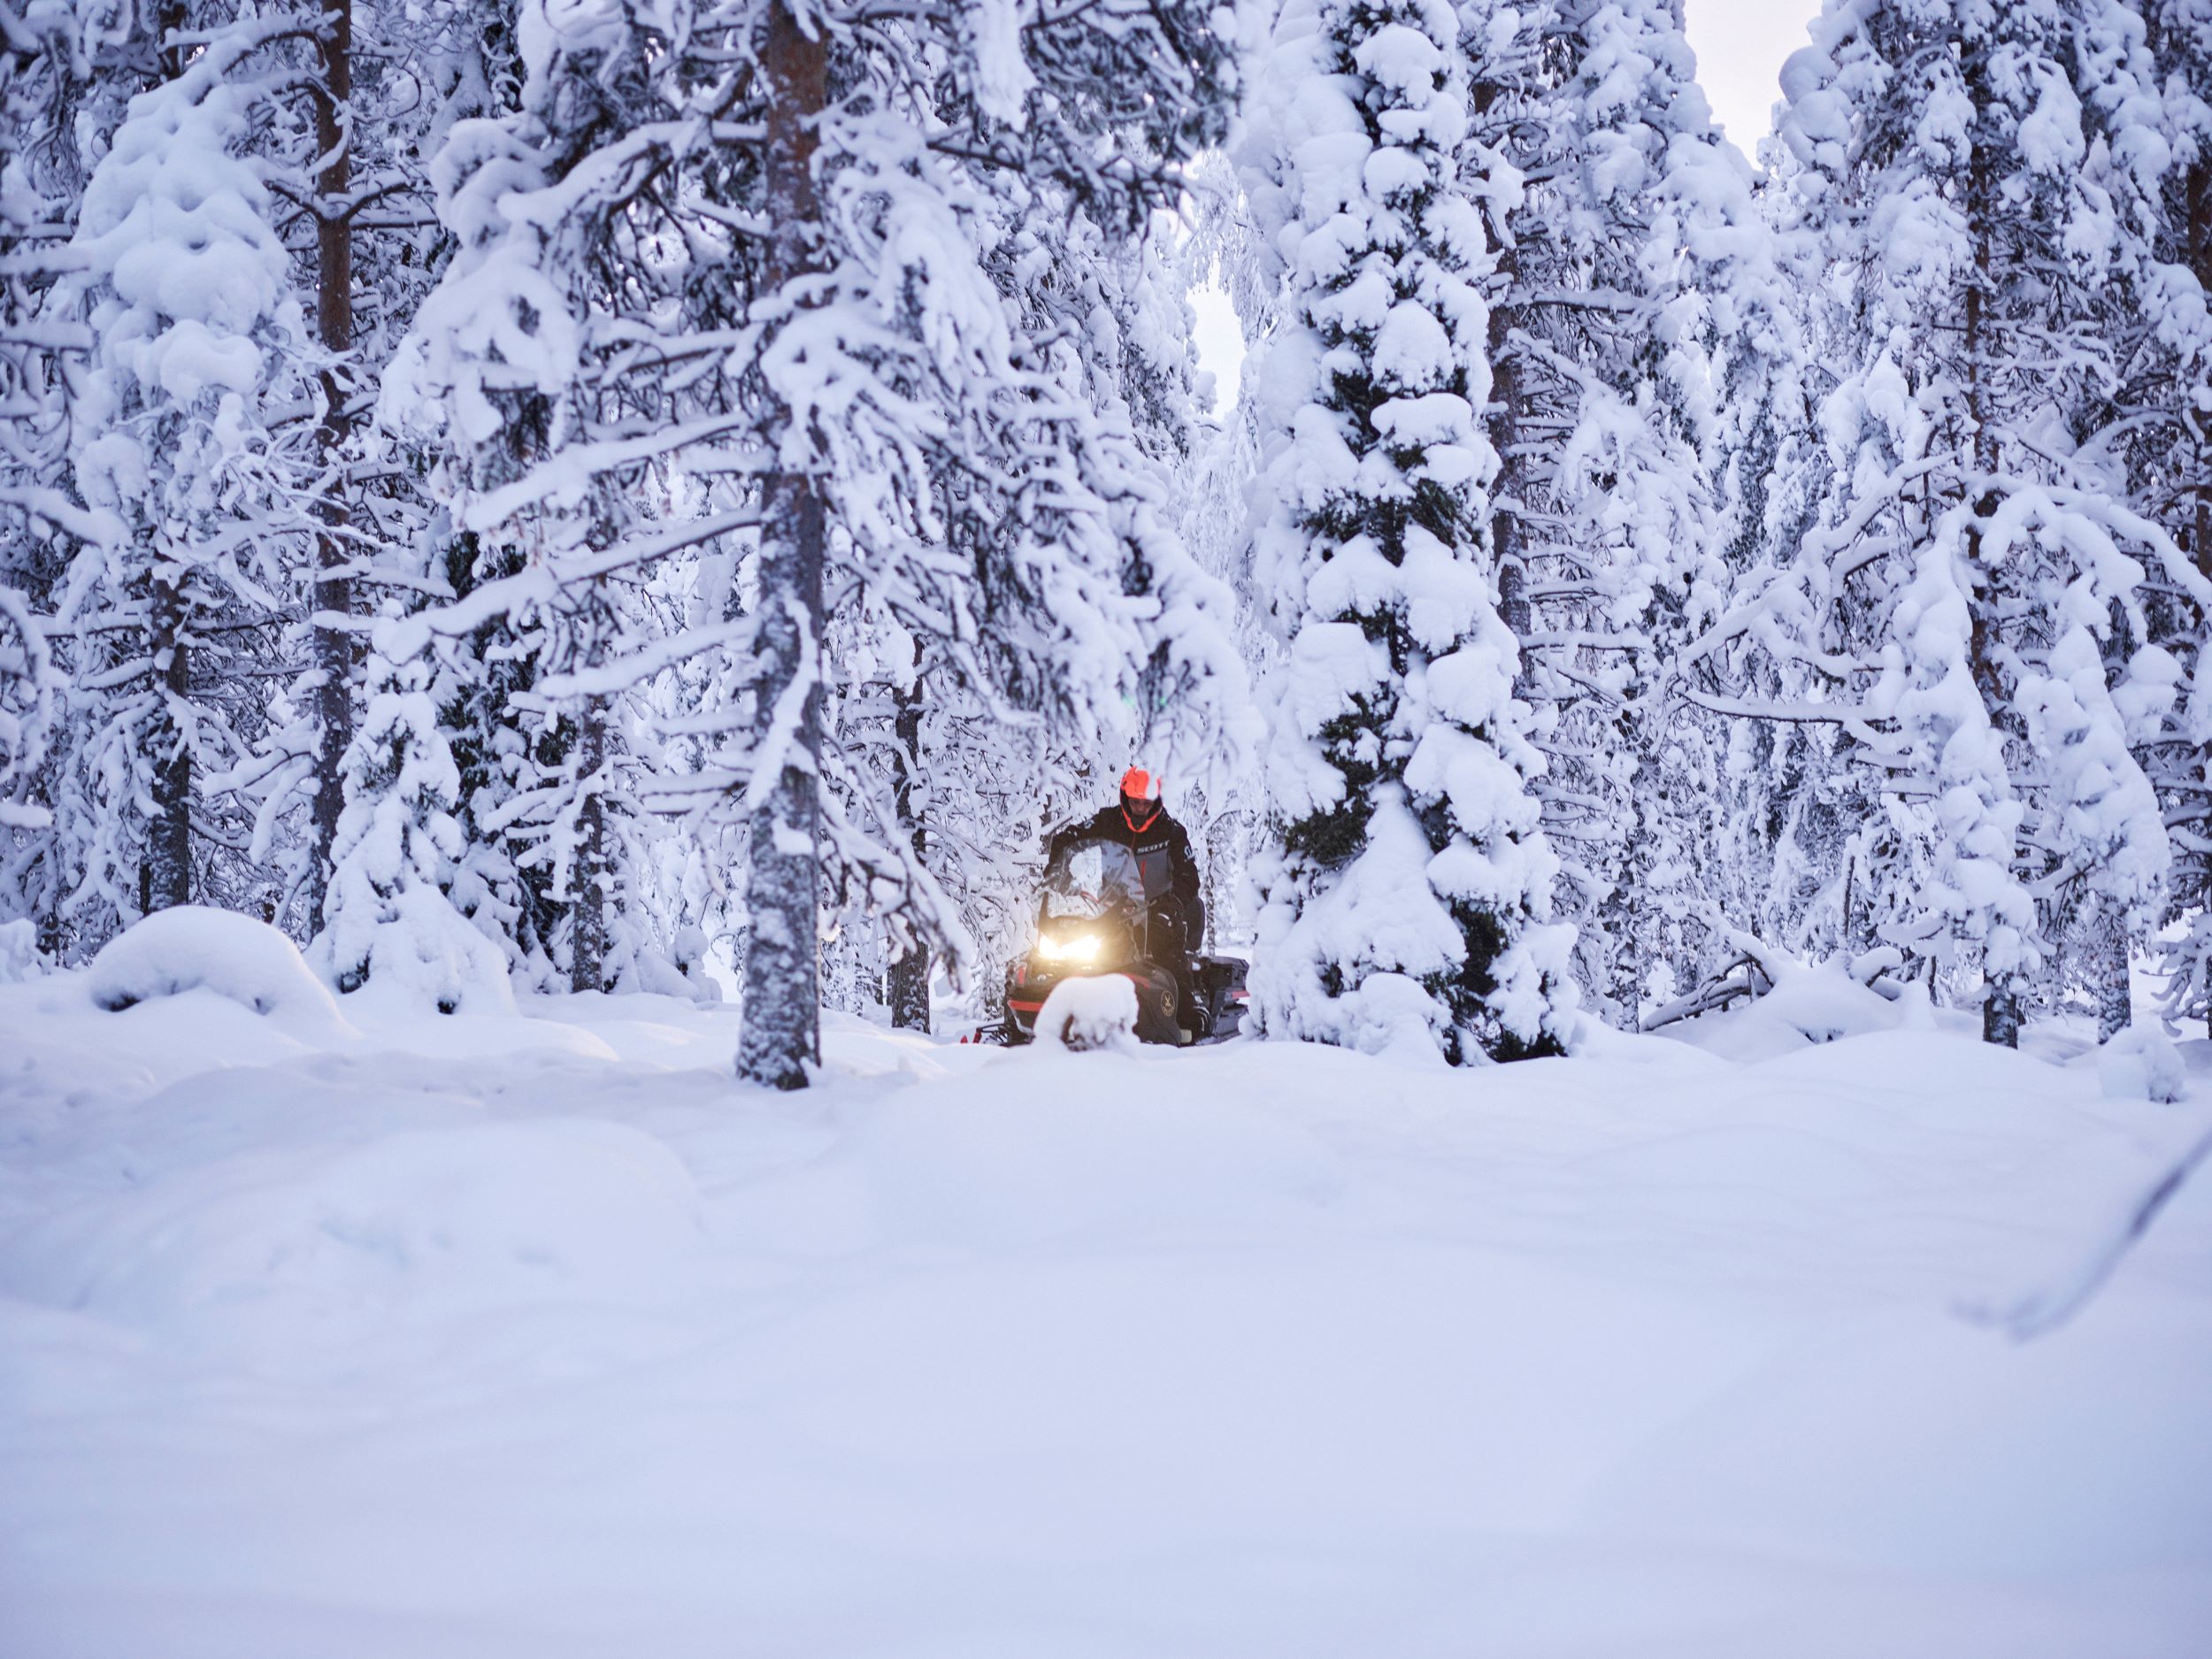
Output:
(1161, 847)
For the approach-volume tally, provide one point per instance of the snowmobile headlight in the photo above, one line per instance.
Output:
(1068, 948)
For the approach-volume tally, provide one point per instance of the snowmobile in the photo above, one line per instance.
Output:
(1093, 919)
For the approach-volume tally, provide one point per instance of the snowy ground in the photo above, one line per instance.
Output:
(531, 1335)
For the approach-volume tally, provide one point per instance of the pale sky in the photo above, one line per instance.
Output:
(1739, 45)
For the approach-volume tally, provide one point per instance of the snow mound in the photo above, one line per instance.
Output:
(490, 1214)
(1085, 1014)
(18, 951)
(1808, 1005)
(192, 947)
(2140, 1063)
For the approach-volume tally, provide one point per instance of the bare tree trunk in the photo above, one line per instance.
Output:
(1505, 436)
(332, 646)
(910, 973)
(2200, 254)
(2001, 1015)
(2002, 1012)
(587, 905)
(165, 873)
(2116, 1007)
(168, 872)
(780, 1032)
(1626, 960)
(169, 19)
(1505, 523)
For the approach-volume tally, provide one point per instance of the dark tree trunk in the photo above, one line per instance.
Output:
(164, 874)
(332, 646)
(169, 19)
(1506, 398)
(2001, 1015)
(2000, 1012)
(2200, 256)
(587, 905)
(168, 872)
(1511, 489)
(910, 990)
(910, 973)
(2109, 970)
(779, 1036)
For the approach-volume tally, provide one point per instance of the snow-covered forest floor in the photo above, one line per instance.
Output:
(534, 1335)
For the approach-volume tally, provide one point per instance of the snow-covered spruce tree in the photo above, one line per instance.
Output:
(389, 922)
(563, 358)
(1407, 904)
(179, 444)
(502, 379)
(1214, 483)
(1983, 183)
(65, 75)
(2165, 435)
(29, 691)
(372, 86)
(1789, 807)
(1634, 285)
(1801, 822)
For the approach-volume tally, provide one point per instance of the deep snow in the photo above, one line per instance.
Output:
(534, 1335)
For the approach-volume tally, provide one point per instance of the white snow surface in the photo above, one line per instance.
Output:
(531, 1334)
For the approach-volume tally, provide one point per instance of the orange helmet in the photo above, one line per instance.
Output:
(1140, 797)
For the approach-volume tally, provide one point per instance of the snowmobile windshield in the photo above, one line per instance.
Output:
(1093, 877)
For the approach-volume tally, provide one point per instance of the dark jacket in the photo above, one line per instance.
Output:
(1163, 858)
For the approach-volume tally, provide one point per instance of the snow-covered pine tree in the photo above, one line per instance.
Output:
(1214, 484)
(194, 355)
(2160, 411)
(65, 75)
(567, 359)
(1789, 810)
(1633, 283)
(30, 689)
(1982, 183)
(1407, 905)
(372, 86)
(508, 377)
